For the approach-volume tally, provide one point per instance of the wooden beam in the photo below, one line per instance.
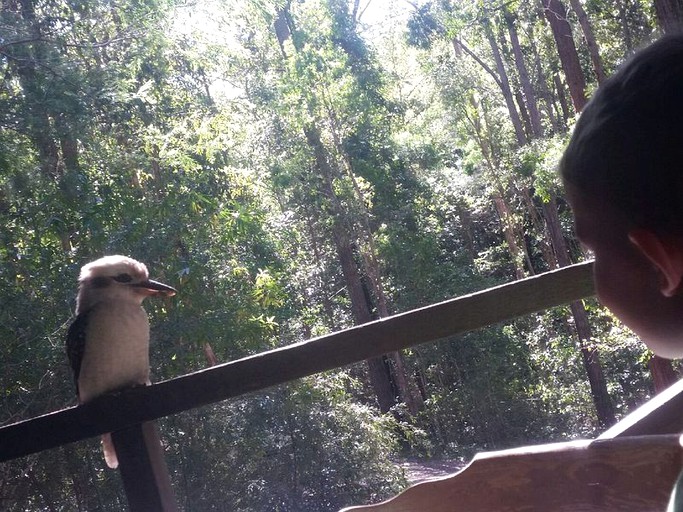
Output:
(114, 412)
(662, 414)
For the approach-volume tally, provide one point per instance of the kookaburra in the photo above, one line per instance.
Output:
(108, 342)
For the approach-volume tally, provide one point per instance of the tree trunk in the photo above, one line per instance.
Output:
(591, 361)
(313, 236)
(542, 82)
(467, 231)
(625, 29)
(663, 373)
(505, 86)
(507, 222)
(590, 354)
(380, 377)
(669, 15)
(526, 119)
(556, 14)
(527, 87)
(540, 227)
(38, 121)
(591, 42)
(404, 387)
(559, 89)
(48, 132)
(379, 373)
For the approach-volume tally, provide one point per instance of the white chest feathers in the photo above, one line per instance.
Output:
(116, 351)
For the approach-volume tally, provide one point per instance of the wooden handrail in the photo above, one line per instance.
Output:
(662, 414)
(630, 474)
(127, 408)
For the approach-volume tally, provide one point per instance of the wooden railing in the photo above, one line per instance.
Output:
(625, 474)
(131, 408)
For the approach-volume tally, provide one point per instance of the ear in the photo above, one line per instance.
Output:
(666, 254)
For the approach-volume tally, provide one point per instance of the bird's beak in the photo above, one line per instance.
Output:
(150, 287)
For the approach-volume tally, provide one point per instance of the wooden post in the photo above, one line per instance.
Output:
(143, 468)
(663, 374)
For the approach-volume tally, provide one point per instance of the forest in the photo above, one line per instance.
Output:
(294, 168)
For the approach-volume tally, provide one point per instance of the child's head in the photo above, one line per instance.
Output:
(623, 170)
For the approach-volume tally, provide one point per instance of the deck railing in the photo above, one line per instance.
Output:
(133, 407)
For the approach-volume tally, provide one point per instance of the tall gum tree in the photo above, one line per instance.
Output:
(556, 14)
(570, 61)
(308, 54)
(591, 358)
(669, 15)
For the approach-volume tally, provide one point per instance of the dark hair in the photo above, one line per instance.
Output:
(627, 147)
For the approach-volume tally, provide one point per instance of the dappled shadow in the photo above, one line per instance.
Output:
(418, 470)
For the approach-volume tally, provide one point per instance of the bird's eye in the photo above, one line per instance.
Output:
(123, 278)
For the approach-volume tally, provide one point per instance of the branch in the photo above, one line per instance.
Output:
(457, 42)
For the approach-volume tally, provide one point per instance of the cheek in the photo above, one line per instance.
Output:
(628, 286)
(620, 285)
(606, 286)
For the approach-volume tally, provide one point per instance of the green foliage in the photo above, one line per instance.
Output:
(231, 157)
(422, 27)
(539, 160)
(305, 446)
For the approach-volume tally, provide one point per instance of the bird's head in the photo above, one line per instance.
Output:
(116, 278)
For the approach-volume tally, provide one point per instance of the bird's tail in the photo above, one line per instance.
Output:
(109, 451)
